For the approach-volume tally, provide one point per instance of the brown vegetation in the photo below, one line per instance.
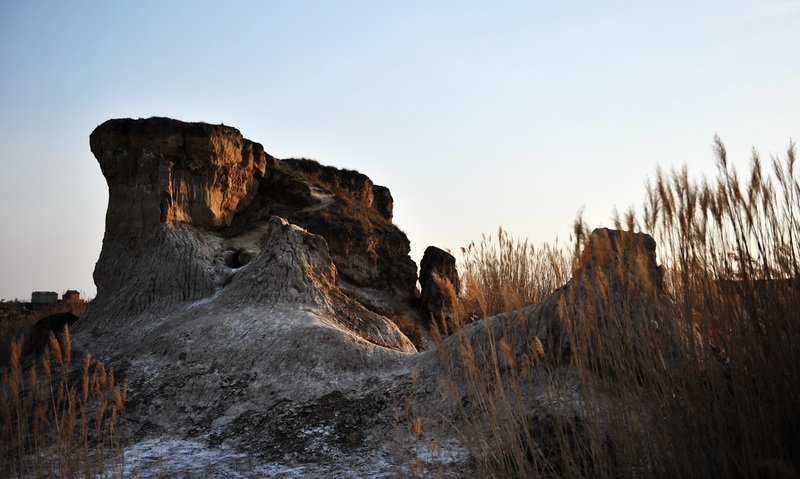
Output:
(690, 371)
(509, 271)
(60, 419)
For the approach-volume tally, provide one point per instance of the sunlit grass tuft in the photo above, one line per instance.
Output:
(60, 419)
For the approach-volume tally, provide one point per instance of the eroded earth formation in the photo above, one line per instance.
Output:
(252, 305)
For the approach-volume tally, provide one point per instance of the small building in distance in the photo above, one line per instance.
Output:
(44, 297)
(71, 296)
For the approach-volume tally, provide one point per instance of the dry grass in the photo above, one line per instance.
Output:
(60, 419)
(693, 374)
(508, 271)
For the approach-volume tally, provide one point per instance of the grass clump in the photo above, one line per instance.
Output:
(690, 369)
(58, 418)
(508, 271)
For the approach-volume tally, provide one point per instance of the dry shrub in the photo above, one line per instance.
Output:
(491, 373)
(58, 418)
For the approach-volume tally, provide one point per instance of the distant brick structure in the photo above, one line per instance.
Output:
(44, 297)
(71, 296)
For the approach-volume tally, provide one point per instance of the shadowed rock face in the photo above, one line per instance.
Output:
(384, 203)
(39, 336)
(614, 268)
(371, 253)
(437, 269)
(621, 255)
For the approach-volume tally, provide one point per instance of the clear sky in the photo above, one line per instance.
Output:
(474, 114)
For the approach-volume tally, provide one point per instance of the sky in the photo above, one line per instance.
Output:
(476, 115)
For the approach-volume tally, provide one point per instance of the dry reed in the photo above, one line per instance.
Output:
(688, 371)
(58, 418)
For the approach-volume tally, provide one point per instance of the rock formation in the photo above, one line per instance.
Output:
(438, 279)
(219, 312)
(369, 251)
(165, 171)
(187, 189)
(615, 268)
(248, 303)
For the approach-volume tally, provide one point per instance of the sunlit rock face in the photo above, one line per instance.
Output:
(179, 191)
(166, 171)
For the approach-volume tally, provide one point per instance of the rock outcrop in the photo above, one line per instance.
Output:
(248, 303)
(166, 171)
(614, 268)
(620, 256)
(216, 187)
(204, 291)
(219, 312)
(354, 216)
(439, 284)
(383, 203)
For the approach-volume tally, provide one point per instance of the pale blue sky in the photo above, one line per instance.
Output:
(475, 115)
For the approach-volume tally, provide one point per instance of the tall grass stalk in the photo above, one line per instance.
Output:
(60, 419)
(496, 273)
(687, 371)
